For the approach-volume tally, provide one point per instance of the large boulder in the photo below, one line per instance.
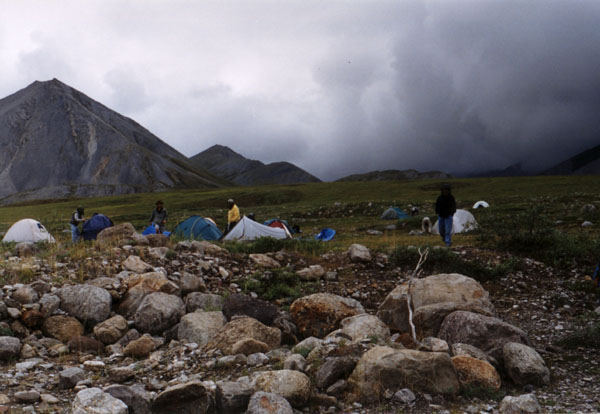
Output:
(141, 285)
(333, 369)
(359, 253)
(96, 401)
(320, 313)
(140, 347)
(433, 298)
(383, 368)
(187, 398)
(486, 333)
(25, 294)
(9, 347)
(524, 365)
(111, 330)
(137, 399)
(240, 331)
(116, 234)
(294, 386)
(233, 396)
(158, 312)
(89, 304)
(473, 372)
(268, 403)
(200, 327)
(261, 310)
(62, 327)
(365, 326)
(522, 404)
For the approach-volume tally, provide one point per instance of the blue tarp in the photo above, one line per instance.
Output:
(152, 230)
(199, 228)
(326, 234)
(95, 225)
(394, 213)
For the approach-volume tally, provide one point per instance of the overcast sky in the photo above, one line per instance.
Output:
(336, 87)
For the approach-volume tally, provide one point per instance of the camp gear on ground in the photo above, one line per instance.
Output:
(95, 225)
(481, 204)
(198, 228)
(462, 221)
(325, 234)
(247, 229)
(27, 230)
(393, 213)
(152, 229)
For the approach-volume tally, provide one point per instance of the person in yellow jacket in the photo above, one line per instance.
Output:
(233, 216)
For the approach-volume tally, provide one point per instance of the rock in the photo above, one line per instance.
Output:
(140, 348)
(365, 326)
(27, 352)
(233, 397)
(486, 333)
(115, 234)
(523, 404)
(137, 399)
(358, 253)
(320, 313)
(476, 373)
(157, 312)
(334, 369)
(69, 377)
(138, 239)
(49, 304)
(27, 397)
(432, 344)
(338, 388)
(268, 403)
(383, 368)
(111, 330)
(404, 396)
(249, 346)
(433, 298)
(200, 327)
(524, 365)
(257, 359)
(119, 375)
(141, 285)
(242, 329)
(294, 386)
(136, 265)
(459, 349)
(264, 261)
(89, 304)
(208, 248)
(157, 240)
(190, 283)
(158, 253)
(188, 398)
(96, 401)
(86, 345)
(295, 362)
(311, 273)
(237, 304)
(62, 327)
(32, 318)
(25, 249)
(203, 301)
(307, 345)
(25, 294)
(587, 224)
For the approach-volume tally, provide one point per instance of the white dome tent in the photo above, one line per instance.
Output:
(28, 230)
(247, 229)
(462, 222)
(481, 204)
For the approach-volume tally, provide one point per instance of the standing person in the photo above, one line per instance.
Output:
(159, 217)
(445, 207)
(233, 215)
(76, 219)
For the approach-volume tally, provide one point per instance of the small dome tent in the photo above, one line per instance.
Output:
(462, 222)
(278, 223)
(247, 229)
(393, 213)
(95, 225)
(481, 204)
(28, 230)
(199, 228)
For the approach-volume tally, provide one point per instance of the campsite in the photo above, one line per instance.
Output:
(529, 252)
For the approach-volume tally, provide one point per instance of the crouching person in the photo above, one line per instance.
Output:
(76, 219)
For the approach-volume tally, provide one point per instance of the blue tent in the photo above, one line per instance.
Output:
(152, 230)
(197, 227)
(394, 213)
(326, 234)
(95, 225)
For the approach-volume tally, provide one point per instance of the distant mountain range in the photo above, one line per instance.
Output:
(57, 142)
(391, 175)
(223, 162)
(586, 162)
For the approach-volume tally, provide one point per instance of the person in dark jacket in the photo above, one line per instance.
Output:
(159, 217)
(76, 219)
(445, 207)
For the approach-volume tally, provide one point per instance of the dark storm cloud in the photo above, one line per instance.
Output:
(335, 87)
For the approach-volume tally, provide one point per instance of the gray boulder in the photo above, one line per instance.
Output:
(49, 303)
(25, 294)
(203, 301)
(200, 327)
(311, 273)
(10, 347)
(96, 401)
(334, 369)
(137, 399)
(359, 253)
(268, 403)
(294, 386)
(187, 398)
(365, 326)
(158, 312)
(261, 310)
(524, 365)
(523, 404)
(69, 377)
(233, 396)
(111, 330)
(136, 265)
(89, 304)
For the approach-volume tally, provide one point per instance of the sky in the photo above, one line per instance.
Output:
(335, 87)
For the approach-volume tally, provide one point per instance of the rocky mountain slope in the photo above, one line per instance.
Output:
(56, 142)
(391, 175)
(223, 162)
(586, 162)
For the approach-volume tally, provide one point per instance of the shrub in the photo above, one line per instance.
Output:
(269, 244)
(587, 337)
(277, 284)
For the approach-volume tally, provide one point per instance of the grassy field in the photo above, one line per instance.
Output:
(353, 208)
